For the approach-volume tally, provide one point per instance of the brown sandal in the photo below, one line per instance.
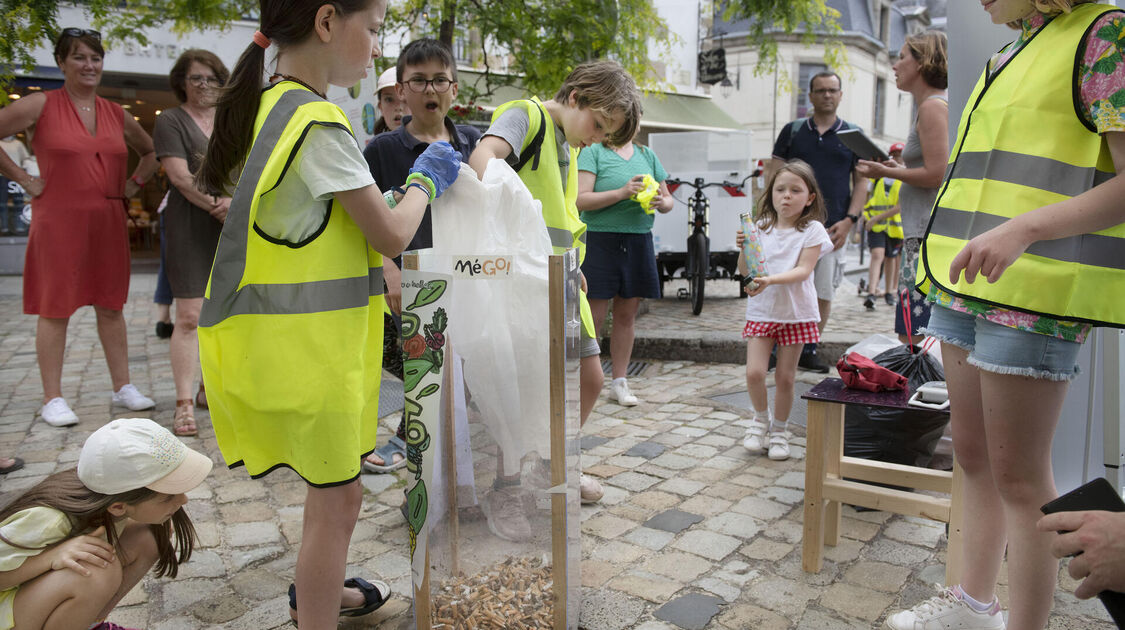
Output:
(184, 422)
(201, 397)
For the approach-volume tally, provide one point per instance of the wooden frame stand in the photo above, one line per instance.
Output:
(826, 488)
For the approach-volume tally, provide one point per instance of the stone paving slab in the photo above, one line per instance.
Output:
(738, 567)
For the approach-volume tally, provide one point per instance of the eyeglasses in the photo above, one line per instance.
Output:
(81, 32)
(823, 91)
(199, 80)
(418, 84)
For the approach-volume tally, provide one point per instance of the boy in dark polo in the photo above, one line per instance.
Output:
(427, 80)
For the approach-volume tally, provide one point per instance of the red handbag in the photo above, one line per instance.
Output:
(859, 372)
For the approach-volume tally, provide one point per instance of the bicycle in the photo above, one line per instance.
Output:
(697, 266)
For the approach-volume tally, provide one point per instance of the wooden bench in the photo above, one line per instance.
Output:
(826, 487)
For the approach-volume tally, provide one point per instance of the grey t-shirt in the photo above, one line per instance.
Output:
(512, 126)
(916, 203)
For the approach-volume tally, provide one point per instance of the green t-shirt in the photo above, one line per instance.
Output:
(613, 172)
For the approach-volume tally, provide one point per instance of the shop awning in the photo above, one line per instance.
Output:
(663, 110)
(684, 112)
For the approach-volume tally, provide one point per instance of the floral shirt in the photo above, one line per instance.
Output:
(1101, 83)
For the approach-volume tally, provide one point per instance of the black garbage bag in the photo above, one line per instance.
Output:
(908, 436)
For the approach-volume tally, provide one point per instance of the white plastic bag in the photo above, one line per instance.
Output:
(492, 236)
(872, 346)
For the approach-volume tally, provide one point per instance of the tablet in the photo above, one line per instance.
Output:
(861, 145)
(1098, 494)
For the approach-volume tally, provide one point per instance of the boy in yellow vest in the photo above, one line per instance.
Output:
(598, 102)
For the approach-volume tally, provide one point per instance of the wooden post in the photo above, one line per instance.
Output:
(450, 442)
(834, 438)
(557, 287)
(812, 540)
(423, 617)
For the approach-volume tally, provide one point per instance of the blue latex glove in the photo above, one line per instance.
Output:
(440, 163)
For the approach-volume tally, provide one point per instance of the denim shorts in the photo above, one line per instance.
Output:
(1004, 350)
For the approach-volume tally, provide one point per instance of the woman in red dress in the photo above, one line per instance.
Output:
(78, 247)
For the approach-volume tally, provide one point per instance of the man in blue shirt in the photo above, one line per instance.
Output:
(814, 140)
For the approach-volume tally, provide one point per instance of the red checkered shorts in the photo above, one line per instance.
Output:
(785, 334)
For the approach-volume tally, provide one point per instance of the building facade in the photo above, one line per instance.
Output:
(872, 34)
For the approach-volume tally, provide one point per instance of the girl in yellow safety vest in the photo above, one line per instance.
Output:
(1022, 256)
(291, 327)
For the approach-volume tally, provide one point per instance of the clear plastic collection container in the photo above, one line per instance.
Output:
(491, 364)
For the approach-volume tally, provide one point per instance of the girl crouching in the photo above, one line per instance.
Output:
(72, 546)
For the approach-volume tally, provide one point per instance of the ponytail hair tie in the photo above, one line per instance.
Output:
(261, 39)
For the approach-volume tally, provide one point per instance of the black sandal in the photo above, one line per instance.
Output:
(374, 596)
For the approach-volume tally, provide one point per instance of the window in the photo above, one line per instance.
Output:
(885, 24)
(804, 75)
(879, 120)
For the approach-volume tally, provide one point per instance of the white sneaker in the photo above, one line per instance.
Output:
(755, 440)
(619, 390)
(590, 489)
(779, 446)
(57, 413)
(128, 396)
(946, 611)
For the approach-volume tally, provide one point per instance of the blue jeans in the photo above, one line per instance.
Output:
(163, 293)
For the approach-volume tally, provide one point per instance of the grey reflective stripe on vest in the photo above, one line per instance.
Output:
(306, 297)
(1027, 170)
(879, 208)
(230, 261)
(560, 237)
(1095, 250)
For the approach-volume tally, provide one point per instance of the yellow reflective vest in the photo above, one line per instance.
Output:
(1023, 144)
(290, 334)
(541, 176)
(885, 197)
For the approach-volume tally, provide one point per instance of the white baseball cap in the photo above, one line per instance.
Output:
(131, 453)
(387, 79)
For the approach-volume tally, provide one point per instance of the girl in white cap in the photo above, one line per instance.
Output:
(72, 546)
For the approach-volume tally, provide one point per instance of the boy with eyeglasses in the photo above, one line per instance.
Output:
(427, 81)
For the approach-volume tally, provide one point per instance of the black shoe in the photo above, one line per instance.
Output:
(164, 329)
(862, 286)
(869, 302)
(889, 298)
(812, 363)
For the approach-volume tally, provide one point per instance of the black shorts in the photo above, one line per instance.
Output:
(620, 265)
(892, 246)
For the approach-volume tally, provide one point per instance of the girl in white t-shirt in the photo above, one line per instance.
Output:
(782, 307)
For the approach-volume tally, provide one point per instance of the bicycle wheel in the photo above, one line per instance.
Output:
(701, 261)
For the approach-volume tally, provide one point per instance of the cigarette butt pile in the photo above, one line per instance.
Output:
(515, 593)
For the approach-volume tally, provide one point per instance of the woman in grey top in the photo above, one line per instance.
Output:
(193, 219)
(921, 69)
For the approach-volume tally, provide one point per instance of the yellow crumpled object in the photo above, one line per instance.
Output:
(646, 194)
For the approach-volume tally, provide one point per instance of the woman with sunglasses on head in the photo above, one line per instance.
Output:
(193, 218)
(78, 247)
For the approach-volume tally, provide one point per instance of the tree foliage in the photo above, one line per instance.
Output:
(813, 19)
(541, 39)
(25, 24)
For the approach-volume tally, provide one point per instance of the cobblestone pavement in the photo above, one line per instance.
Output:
(737, 566)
